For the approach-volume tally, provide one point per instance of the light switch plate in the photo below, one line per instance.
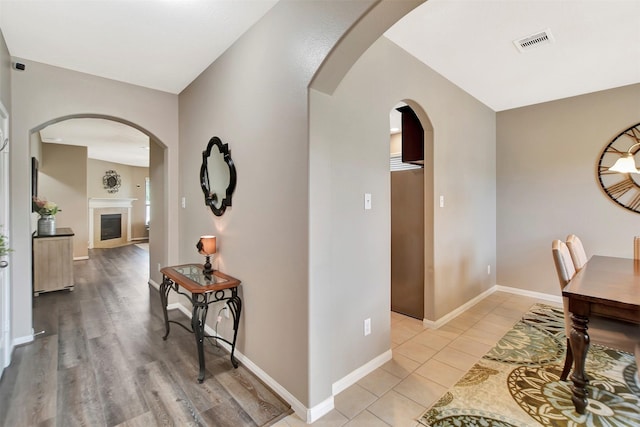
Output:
(367, 201)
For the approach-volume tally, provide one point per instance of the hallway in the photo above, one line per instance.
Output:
(99, 360)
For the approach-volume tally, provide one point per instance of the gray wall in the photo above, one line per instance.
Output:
(67, 187)
(254, 98)
(350, 247)
(44, 93)
(548, 188)
(264, 237)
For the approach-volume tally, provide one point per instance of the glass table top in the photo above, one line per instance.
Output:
(195, 273)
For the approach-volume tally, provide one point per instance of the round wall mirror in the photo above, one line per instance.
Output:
(217, 176)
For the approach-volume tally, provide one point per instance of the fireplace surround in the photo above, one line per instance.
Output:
(99, 207)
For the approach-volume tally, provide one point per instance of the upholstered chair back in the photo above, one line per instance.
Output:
(576, 249)
(566, 271)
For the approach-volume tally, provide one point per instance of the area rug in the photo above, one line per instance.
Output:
(517, 383)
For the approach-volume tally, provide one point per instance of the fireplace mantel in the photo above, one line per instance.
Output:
(97, 202)
(99, 205)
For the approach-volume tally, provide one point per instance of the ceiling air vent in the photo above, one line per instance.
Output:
(534, 40)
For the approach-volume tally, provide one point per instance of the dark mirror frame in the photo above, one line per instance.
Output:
(212, 199)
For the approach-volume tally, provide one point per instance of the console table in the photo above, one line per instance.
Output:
(202, 290)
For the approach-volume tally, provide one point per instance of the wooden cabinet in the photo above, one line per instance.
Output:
(412, 137)
(53, 261)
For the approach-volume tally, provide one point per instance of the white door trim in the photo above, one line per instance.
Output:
(6, 346)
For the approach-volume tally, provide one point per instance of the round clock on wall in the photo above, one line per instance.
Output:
(622, 187)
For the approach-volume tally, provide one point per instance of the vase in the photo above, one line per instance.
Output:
(47, 225)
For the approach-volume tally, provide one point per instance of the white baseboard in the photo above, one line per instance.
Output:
(532, 294)
(361, 372)
(22, 340)
(80, 258)
(431, 324)
(444, 319)
(154, 284)
(315, 413)
(310, 415)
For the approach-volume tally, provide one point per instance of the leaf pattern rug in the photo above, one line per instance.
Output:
(517, 383)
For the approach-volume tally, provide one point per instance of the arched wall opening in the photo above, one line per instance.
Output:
(429, 242)
(156, 173)
(411, 201)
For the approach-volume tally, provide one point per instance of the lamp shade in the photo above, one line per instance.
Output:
(207, 245)
(625, 164)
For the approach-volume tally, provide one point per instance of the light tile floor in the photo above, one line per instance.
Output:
(426, 363)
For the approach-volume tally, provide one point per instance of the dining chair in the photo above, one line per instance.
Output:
(576, 249)
(604, 331)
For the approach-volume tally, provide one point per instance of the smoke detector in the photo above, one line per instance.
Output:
(534, 40)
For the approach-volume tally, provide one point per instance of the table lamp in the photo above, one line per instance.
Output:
(207, 247)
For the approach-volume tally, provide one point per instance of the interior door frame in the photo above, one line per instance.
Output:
(5, 308)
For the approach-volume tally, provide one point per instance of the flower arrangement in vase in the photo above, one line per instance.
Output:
(47, 211)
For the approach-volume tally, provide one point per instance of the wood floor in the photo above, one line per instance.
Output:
(101, 360)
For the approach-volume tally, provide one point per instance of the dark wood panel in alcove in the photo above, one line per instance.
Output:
(412, 137)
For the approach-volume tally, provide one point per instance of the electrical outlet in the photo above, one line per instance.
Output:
(488, 268)
(184, 202)
(225, 311)
(367, 327)
(159, 267)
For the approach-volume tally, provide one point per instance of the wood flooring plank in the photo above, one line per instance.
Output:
(140, 345)
(252, 395)
(102, 360)
(8, 382)
(120, 396)
(167, 401)
(45, 314)
(227, 414)
(145, 420)
(78, 398)
(95, 319)
(184, 363)
(34, 396)
(72, 341)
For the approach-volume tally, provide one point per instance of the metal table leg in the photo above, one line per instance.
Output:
(198, 320)
(165, 287)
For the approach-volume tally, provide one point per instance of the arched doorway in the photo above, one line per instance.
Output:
(92, 141)
(411, 177)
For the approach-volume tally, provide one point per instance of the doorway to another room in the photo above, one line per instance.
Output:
(411, 212)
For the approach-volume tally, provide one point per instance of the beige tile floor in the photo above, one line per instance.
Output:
(426, 362)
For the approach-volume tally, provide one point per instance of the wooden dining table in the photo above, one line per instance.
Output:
(605, 286)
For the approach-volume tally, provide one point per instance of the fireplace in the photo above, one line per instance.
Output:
(110, 226)
(117, 213)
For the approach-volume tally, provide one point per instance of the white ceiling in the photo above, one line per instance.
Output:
(159, 44)
(470, 42)
(108, 140)
(166, 44)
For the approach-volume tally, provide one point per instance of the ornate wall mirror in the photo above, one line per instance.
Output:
(217, 176)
